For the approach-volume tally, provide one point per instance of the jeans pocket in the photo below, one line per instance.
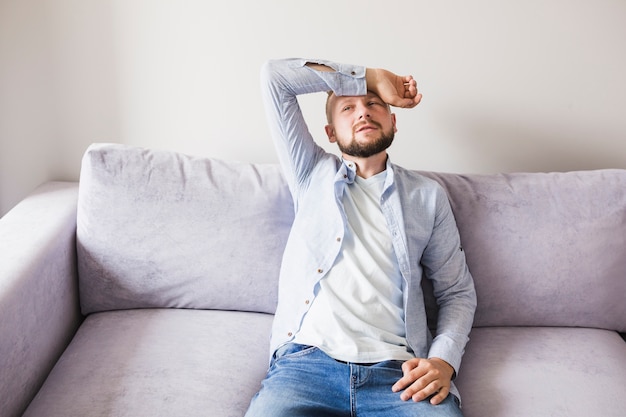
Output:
(292, 350)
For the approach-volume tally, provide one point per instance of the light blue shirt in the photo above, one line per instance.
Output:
(424, 234)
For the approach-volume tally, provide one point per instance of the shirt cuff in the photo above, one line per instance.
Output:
(446, 348)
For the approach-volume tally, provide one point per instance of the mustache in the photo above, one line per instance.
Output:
(365, 123)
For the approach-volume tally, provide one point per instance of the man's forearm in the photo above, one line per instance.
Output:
(371, 74)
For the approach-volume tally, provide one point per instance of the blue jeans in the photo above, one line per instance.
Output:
(304, 381)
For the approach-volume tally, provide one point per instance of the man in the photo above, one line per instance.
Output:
(350, 335)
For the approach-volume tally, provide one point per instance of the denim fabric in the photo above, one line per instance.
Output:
(304, 381)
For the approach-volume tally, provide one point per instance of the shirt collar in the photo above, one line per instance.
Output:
(390, 175)
(347, 172)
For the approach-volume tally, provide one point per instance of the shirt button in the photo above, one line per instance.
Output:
(353, 73)
(306, 301)
(289, 334)
(338, 239)
(320, 270)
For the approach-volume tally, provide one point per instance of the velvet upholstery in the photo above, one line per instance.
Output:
(161, 229)
(545, 249)
(174, 260)
(38, 290)
(543, 371)
(159, 362)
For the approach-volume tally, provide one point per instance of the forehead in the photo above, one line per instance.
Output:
(343, 99)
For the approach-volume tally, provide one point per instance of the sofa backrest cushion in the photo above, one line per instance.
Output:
(163, 229)
(545, 249)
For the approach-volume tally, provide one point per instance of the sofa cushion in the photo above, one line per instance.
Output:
(158, 362)
(543, 372)
(545, 249)
(163, 229)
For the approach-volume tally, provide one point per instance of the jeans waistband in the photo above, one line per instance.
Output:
(290, 348)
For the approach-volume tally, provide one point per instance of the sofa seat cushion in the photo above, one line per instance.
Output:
(158, 362)
(541, 372)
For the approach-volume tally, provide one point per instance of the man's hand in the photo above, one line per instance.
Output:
(398, 91)
(423, 378)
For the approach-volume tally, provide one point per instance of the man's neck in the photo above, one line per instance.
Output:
(370, 166)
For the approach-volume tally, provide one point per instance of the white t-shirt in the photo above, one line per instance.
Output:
(358, 314)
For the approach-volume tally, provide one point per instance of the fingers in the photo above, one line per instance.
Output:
(425, 388)
(398, 91)
(440, 396)
(411, 94)
(409, 376)
(422, 379)
(409, 103)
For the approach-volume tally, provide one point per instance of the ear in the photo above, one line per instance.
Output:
(330, 132)
(393, 120)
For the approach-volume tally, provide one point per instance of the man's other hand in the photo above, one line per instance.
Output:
(398, 91)
(424, 378)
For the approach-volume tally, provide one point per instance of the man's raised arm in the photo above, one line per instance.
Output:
(396, 90)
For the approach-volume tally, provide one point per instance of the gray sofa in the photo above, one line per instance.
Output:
(147, 289)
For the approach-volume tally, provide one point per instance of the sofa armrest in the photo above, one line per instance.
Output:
(39, 309)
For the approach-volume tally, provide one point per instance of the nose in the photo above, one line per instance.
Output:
(363, 111)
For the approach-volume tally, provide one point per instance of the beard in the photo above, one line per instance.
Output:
(357, 150)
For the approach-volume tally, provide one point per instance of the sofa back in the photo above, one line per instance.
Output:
(162, 229)
(545, 249)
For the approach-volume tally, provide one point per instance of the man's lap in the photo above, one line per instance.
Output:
(304, 381)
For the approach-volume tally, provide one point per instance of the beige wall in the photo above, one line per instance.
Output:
(532, 85)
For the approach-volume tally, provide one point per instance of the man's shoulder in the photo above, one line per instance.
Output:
(416, 178)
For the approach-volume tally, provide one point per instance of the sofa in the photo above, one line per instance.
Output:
(147, 288)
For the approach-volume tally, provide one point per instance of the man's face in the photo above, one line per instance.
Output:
(361, 126)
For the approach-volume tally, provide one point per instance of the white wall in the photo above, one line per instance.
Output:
(535, 85)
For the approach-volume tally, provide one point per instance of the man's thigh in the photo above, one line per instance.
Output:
(373, 396)
(303, 382)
